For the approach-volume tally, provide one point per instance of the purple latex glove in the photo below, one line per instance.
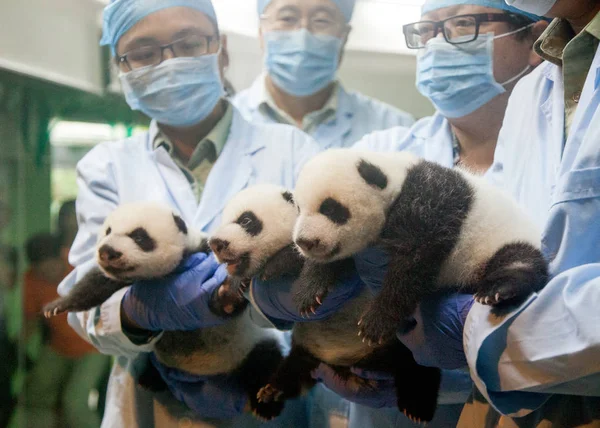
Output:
(275, 299)
(367, 388)
(437, 338)
(178, 301)
(217, 397)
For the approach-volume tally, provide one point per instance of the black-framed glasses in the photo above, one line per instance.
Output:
(193, 45)
(456, 29)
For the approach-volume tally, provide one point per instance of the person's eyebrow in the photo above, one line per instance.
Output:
(139, 42)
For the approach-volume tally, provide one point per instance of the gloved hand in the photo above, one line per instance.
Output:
(275, 299)
(180, 300)
(436, 339)
(367, 388)
(218, 397)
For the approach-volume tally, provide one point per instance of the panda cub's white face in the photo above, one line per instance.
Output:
(343, 197)
(256, 224)
(141, 240)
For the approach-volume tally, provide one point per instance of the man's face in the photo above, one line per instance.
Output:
(511, 54)
(167, 26)
(317, 16)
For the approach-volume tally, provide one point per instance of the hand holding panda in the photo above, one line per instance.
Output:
(177, 288)
(442, 228)
(256, 231)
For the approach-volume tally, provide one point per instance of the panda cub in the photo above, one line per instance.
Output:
(145, 240)
(255, 239)
(442, 228)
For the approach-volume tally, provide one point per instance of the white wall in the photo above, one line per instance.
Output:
(389, 77)
(55, 40)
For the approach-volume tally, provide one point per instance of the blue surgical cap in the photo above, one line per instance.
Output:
(121, 15)
(346, 6)
(496, 4)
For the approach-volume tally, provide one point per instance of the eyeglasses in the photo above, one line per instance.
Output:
(193, 45)
(456, 30)
(319, 23)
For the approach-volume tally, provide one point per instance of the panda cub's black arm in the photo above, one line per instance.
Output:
(287, 261)
(93, 290)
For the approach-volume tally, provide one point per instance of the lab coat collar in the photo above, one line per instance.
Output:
(436, 124)
(327, 133)
(229, 175)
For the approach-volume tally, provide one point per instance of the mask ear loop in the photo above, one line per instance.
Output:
(526, 69)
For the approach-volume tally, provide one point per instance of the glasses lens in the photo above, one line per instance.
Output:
(192, 46)
(418, 34)
(143, 57)
(461, 29)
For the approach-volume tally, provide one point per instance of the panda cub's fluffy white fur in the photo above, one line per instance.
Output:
(441, 228)
(255, 239)
(145, 240)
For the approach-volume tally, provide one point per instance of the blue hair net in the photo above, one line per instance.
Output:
(346, 6)
(121, 15)
(496, 4)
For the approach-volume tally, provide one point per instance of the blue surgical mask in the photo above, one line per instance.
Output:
(537, 7)
(459, 79)
(178, 92)
(301, 63)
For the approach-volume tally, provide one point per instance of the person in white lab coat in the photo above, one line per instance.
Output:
(303, 43)
(198, 152)
(463, 132)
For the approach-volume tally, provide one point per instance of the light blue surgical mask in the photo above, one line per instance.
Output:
(459, 79)
(178, 92)
(301, 63)
(537, 7)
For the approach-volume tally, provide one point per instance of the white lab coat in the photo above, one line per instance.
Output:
(551, 344)
(131, 170)
(357, 115)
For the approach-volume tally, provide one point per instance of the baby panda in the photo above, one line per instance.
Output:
(140, 240)
(255, 239)
(145, 240)
(441, 227)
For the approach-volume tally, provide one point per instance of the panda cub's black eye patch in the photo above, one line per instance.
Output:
(250, 223)
(335, 211)
(108, 231)
(142, 239)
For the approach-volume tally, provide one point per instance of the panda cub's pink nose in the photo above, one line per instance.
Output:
(308, 244)
(109, 254)
(218, 245)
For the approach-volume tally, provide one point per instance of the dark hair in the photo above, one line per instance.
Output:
(66, 209)
(41, 247)
(519, 21)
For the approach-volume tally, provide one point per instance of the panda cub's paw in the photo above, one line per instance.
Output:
(55, 308)
(265, 411)
(308, 296)
(376, 328)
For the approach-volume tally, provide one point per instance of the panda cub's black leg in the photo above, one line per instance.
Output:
(515, 271)
(405, 284)
(255, 372)
(151, 380)
(93, 290)
(315, 282)
(292, 376)
(287, 261)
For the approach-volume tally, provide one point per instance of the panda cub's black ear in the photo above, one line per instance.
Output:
(180, 224)
(372, 174)
(288, 197)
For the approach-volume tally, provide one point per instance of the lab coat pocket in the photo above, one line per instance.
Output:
(578, 184)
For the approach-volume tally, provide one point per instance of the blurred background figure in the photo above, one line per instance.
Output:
(62, 387)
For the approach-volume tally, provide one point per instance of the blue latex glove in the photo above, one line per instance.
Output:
(436, 339)
(217, 397)
(376, 390)
(275, 299)
(180, 300)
